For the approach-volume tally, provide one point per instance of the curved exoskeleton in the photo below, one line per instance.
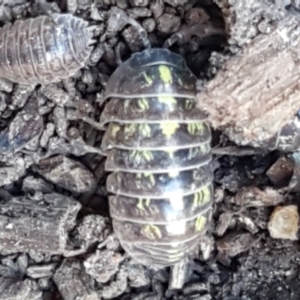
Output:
(44, 49)
(158, 145)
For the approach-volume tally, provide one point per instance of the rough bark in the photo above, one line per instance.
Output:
(37, 226)
(11, 289)
(257, 91)
(73, 282)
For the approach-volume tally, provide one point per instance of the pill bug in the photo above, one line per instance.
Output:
(158, 152)
(44, 49)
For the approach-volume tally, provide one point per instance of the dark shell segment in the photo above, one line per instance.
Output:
(157, 136)
(161, 254)
(162, 211)
(164, 185)
(151, 110)
(167, 234)
(150, 73)
(158, 161)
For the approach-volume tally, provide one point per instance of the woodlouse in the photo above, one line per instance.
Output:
(44, 49)
(158, 150)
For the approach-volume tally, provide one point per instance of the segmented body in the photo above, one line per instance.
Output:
(158, 145)
(44, 49)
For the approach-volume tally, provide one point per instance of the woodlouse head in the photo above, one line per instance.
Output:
(80, 35)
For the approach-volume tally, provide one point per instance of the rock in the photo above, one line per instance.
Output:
(255, 197)
(233, 244)
(67, 173)
(283, 223)
(10, 289)
(41, 271)
(281, 171)
(74, 283)
(168, 23)
(38, 225)
(102, 265)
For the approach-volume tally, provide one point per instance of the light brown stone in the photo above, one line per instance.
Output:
(283, 223)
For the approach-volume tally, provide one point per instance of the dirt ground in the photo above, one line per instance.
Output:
(56, 237)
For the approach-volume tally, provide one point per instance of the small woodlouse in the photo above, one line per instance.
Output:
(44, 49)
(159, 155)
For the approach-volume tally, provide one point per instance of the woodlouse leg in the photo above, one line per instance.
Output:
(118, 50)
(111, 242)
(237, 151)
(207, 244)
(178, 275)
(69, 85)
(77, 115)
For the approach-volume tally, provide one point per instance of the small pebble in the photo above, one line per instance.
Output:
(283, 223)
(168, 23)
(141, 3)
(176, 3)
(149, 24)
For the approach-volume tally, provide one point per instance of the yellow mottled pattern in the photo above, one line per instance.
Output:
(143, 104)
(114, 130)
(140, 155)
(202, 197)
(156, 136)
(143, 129)
(151, 178)
(165, 74)
(200, 223)
(126, 105)
(129, 129)
(195, 128)
(189, 104)
(142, 203)
(168, 100)
(151, 232)
(204, 148)
(169, 128)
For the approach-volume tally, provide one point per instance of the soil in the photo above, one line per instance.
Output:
(57, 240)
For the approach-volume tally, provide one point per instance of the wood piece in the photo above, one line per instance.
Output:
(245, 19)
(257, 91)
(11, 289)
(37, 225)
(74, 283)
